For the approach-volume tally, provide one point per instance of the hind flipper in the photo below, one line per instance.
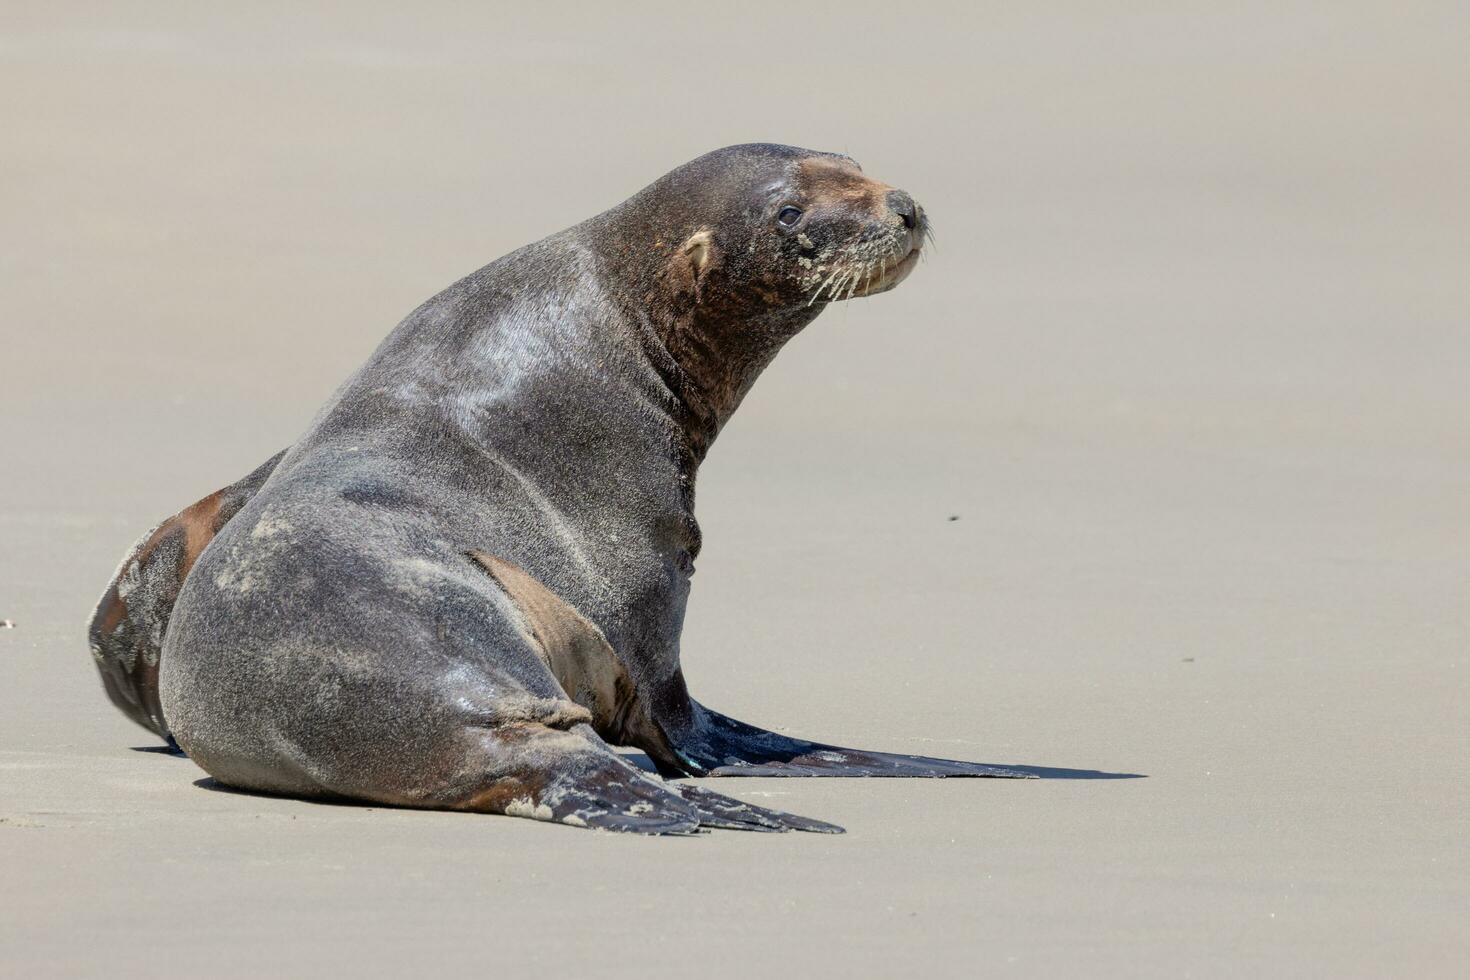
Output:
(576, 784)
(573, 777)
(723, 811)
(582, 662)
(721, 746)
(127, 628)
(708, 743)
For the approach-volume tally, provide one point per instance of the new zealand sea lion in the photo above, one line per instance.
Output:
(469, 576)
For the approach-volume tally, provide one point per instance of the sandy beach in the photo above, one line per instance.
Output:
(1158, 467)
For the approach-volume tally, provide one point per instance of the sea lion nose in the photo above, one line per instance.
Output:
(903, 206)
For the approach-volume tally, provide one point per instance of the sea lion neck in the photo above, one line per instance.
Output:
(705, 336)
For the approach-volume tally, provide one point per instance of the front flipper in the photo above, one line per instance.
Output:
(721, 746)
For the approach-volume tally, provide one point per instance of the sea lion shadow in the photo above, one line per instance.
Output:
(215, 786)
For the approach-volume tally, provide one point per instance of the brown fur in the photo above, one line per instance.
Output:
(839, 182)
(575, 650)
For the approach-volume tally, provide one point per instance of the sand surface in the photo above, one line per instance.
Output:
(1189, 366)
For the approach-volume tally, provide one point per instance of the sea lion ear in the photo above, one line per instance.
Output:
(694, 259)
(699, 249)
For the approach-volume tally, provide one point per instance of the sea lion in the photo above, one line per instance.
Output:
(469, 576)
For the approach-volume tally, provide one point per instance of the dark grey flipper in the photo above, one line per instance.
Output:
(579, 781)
(642, 805)
(722, 811)
(722, 746)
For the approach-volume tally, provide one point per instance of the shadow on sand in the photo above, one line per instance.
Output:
(215, 786)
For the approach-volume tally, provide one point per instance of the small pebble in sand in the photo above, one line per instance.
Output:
(954, 517)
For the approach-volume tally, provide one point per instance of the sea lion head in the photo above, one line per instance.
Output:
(824, 231)
(732, 254)
(767, 227)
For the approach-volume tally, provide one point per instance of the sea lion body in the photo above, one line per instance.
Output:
(358, 556)
(469, 576)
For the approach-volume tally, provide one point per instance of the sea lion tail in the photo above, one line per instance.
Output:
(127, 628)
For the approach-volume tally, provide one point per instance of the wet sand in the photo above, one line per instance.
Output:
(1159, 465)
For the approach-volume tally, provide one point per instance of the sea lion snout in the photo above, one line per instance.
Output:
(904, 211)
(901, 204)
(868, 234)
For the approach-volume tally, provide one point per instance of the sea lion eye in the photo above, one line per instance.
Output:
(788, 216)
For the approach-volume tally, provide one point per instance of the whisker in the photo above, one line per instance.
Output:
(823, 286)
(840, 285)
(829, 287)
